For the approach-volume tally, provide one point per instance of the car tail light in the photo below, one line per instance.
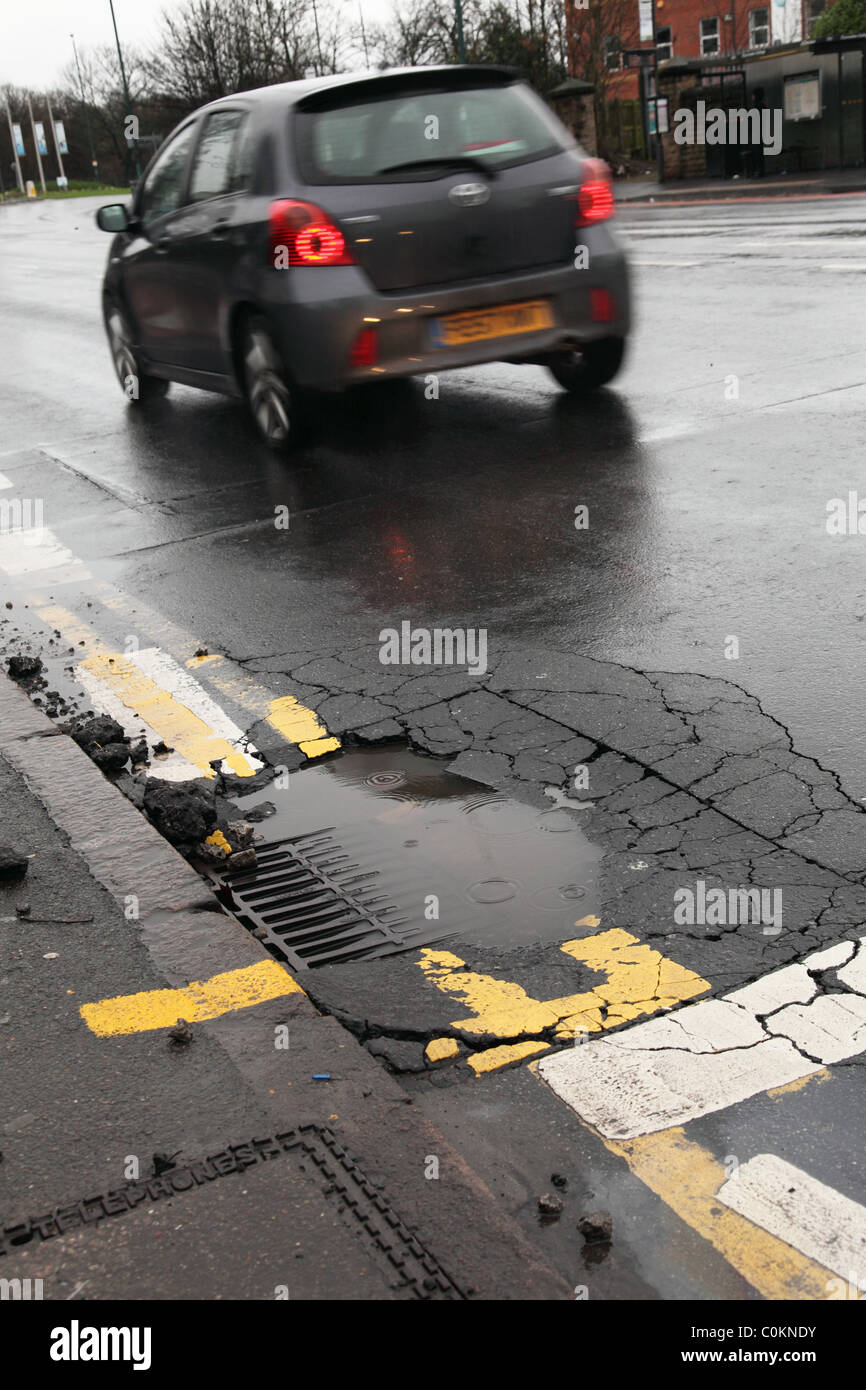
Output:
(365, 349)
(595, 200)
(602, 306)
(301, 234)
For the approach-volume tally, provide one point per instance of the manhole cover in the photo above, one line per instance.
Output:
(406, 854)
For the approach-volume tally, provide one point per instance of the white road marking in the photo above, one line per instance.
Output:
(5, 482)
(170, 677)
(677, 431)
(816, 1219)
(165, 672)
(682, 265)
(845, 265)
(172, 768)
(808, 241)
(701, 1058)
(37, 549)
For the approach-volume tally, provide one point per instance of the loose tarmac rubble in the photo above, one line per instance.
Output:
(193, 816)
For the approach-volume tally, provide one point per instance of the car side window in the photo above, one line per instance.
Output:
(163, 186)
(219, 166)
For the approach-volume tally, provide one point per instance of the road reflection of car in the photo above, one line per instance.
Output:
(316, 234)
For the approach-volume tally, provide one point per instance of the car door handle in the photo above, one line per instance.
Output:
(162, 244)
(220, 229)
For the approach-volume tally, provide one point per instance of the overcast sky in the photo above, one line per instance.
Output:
(34, 34)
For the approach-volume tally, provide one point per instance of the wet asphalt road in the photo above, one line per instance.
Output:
(706, 469)
(707, 515)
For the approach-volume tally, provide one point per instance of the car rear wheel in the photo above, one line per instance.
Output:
(273, 402)
(595, 364)
(137, 387)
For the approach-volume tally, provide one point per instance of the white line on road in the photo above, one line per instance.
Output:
(816, 1219)
(682, 265)
(845, 265)
(165, 672)
(36, 548)
(172, 767)
(5, 482)
(707, 1056)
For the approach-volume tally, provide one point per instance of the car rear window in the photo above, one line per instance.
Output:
(496, 125)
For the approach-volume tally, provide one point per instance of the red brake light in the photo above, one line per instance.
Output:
(301, 234)
(595, 200)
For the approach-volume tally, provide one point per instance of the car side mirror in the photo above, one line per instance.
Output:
(112, 218)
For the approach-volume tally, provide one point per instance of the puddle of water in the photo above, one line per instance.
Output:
(501, 872)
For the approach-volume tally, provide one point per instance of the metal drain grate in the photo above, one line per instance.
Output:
(312, 903)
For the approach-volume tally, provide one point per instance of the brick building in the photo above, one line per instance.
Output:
(695, 29)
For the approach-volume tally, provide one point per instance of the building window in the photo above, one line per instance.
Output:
(759, 28)
(709, 36)
(613, 52)
(814, 9)
(664, 44)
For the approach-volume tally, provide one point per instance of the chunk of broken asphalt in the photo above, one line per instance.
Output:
(402, 1056)
(240, 834)
(180, 1035)
(98, 731)
(112, 758)
(597, 1226)
(22, 668)
(243, 859)
(12, 864)
(183, 814)
(549, 1204)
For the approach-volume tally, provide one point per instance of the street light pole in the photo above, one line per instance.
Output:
(126, 96)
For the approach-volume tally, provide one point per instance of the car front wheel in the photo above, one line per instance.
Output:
(595, 364)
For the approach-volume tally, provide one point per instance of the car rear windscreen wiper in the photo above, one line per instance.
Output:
(457, 161)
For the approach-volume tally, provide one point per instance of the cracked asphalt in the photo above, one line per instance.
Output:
(607, 686)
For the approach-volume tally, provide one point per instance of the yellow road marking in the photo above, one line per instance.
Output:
(440, 1048)
(638, 981)
(494, 1057)
(196, 1002)
(184, 731)
(181, 729)
(687, 1178)
(205, 660)
(776, 1091)
(299, 725)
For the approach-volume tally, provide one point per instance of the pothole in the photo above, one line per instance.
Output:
(381, 850)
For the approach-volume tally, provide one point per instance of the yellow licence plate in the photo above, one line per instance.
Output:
(500, 322)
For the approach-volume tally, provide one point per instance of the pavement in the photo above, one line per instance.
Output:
(136, 1167)
(664, 694)
(826, 183)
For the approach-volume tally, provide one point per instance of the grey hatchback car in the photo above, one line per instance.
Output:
(312, 235)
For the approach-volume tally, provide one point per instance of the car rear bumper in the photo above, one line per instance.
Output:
(317, 324)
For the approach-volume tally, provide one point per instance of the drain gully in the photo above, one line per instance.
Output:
(405, 855)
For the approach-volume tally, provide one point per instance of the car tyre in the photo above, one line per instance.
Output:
(135, 384)
(274, 403)
(594, 365)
